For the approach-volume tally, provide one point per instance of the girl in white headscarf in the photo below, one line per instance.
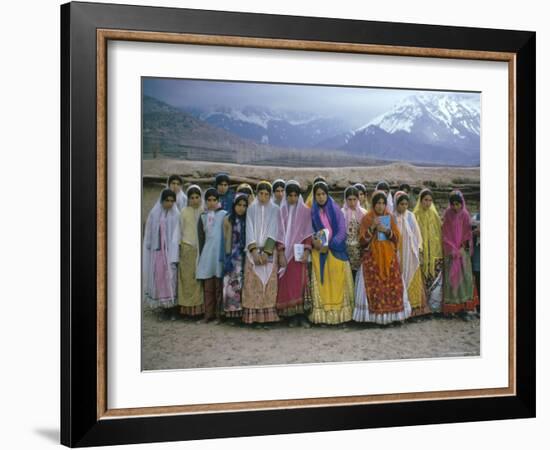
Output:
(263, 258)
(161, 254)
(409, 252)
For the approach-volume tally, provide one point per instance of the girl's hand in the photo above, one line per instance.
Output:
(282, 259)
(256, 257)
(306, 256)
(317, 244)
(263, 259)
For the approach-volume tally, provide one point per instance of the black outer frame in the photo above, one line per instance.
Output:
(79, 424)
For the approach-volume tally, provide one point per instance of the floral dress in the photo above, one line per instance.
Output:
(233, 278)
(352, 245)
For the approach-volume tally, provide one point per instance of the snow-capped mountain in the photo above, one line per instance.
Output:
(287, 129)
(428, 128)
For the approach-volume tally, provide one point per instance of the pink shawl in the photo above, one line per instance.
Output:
(456, 231)
(349, 213)
(296, 224)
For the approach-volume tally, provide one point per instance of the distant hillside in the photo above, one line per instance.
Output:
(169, 133)
(279, 128)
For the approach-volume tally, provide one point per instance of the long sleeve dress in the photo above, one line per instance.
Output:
(160, 256)
(293, 280)
(380, 294)
(408, 252)
(259, 296)
(331, 277)
(190, 293)
(459, 293)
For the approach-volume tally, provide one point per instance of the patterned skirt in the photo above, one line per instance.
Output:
(259, 301)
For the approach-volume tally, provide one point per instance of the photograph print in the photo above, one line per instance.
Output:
(304, 224)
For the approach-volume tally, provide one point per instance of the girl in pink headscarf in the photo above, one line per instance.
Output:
(297, 236)
(458, 290)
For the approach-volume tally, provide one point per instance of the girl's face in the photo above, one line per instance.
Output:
(320, 197)
(168, 202)
(240, 208)
(223, 187)
(279, 194)
(361, 197)
(292, 198)
(175, 186)
(380, 206)
(427, 201)
(352, 201)
(263, 196)
(212, 203)
(194, 200)
(457, 206)
(402, 206)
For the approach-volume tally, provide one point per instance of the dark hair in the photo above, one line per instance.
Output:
(425, 192)
(221, 177)
(211, 192)
(382, 186)
(455, 196)
(167, 193)
(404, 187)
(377, 196)
(238, 198)
(402, 197)
(351, 190)
(277, 184)
(263, 186)
(193, 190)
(319, 178)
(320, 185)
(292, 187)
(175, 178)
(360, 187)
(244, 190)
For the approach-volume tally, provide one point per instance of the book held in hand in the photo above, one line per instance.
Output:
(298, 252)
(386, 222)
(323, 236)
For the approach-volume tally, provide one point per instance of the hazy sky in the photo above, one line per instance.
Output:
(356, 105)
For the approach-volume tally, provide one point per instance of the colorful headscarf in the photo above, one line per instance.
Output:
(295, 220)
(456, 231)
(382, 253)
(337, 241)
(232, 217)
(430, 227)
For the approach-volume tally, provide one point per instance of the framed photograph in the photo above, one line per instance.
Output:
(272, 224)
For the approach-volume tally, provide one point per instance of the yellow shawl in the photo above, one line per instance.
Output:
(430, 228)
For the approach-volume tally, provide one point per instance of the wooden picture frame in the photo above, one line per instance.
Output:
(86, 419)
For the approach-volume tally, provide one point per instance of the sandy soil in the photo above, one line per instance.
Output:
(183, 344)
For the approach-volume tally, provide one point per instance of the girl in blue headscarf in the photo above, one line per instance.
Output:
(331, 277)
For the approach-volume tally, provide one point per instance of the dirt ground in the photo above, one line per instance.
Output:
(184, 344)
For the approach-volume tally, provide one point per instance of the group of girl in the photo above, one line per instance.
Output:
(258, 257)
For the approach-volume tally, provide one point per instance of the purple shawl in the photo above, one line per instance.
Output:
(337, 242)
